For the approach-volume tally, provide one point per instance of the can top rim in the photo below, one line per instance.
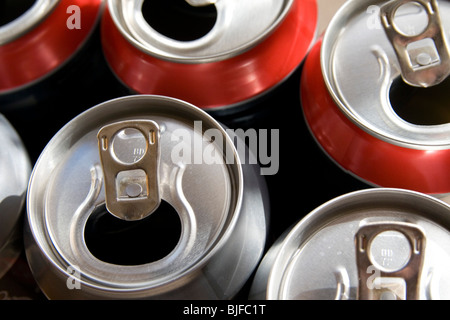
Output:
(370, 66)
(96, 272)
(224, 41)
(27, 21)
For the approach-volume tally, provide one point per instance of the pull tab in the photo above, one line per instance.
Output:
(422, 51)
(389, 258)
(130, 156)
(200, 3)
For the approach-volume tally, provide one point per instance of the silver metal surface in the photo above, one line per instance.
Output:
(27, 21)
(230, 36)
(15, 171)
(359, 65)
(130, 168)
(317, 258)
(222, 208)
(423, 55)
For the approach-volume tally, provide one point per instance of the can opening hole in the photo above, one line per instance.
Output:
(421, 106)
(178, 20)
(10, 10)
(129, 243)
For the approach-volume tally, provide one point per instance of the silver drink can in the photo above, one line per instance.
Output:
(144, 197)
(15, 171)
(375, 244)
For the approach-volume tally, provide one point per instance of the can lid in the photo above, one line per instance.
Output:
(371, 244)
(361, 67)
(27, 21)
(68, 187)
(15, 170)
(231, 33)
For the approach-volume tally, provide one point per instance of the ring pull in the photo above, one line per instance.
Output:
(389, 259)
(130, 156)
(419, 42)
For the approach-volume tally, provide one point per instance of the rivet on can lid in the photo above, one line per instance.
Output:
(424, 59)
(134, 190)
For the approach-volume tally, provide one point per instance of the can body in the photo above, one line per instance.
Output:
(14, 171)
(220, 210)
(48, 54)
(53, 36)
(212, 72)
(355, 117)
(321, 257)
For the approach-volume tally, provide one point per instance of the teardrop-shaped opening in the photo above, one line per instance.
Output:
(10, 10)
(421, 106)
(178, 20)
(121, 242)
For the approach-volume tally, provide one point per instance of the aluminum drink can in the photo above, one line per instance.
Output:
(376, 244)
(91, 231)
(15, 171)
(363, 107)
(39, 43)
(242, 50)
